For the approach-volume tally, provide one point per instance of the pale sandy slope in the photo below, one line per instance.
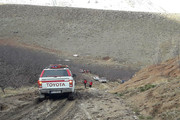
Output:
(168, 6)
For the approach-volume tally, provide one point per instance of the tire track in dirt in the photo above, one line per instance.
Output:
(49, 109)
(62, 110)
(19, 112)
(54, 110)
(88, 115)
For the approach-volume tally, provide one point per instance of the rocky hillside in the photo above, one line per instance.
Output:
(155, 91)
(128, 37)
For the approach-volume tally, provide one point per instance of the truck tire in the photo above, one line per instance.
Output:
(41, 97)
(72, 96)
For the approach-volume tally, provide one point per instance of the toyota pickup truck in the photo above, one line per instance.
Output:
(56, 79)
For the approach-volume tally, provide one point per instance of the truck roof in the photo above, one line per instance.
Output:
(56, 69)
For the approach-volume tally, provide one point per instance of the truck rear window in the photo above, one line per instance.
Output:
(55, 73)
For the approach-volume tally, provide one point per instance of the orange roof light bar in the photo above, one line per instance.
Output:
(56, 66)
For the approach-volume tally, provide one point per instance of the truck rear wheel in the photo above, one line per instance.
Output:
(71, 96)
(42, 96)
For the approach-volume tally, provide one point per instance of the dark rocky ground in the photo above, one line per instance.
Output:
(22, 66)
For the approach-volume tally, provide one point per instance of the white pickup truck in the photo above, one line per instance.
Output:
(56, 79)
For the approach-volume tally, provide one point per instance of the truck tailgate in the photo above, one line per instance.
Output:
(55, 84)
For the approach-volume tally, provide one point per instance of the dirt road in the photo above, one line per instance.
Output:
(99, 105)
(91, 104)
(27, 106)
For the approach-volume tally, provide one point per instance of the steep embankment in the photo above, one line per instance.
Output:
(155, 74)
(155, 90)
(131, 37)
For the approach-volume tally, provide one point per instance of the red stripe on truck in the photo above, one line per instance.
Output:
(42, 73)
(69, 73)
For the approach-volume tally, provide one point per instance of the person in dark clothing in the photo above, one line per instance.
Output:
(90, 84)
(85, 82)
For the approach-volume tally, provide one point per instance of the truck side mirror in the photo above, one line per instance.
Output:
(74, 75)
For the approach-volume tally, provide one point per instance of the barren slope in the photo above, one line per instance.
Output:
(127, 36)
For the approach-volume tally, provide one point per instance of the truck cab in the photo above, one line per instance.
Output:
(56, 79)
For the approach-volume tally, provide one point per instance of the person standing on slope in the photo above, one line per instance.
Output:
(85, 82)
(90, 84)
